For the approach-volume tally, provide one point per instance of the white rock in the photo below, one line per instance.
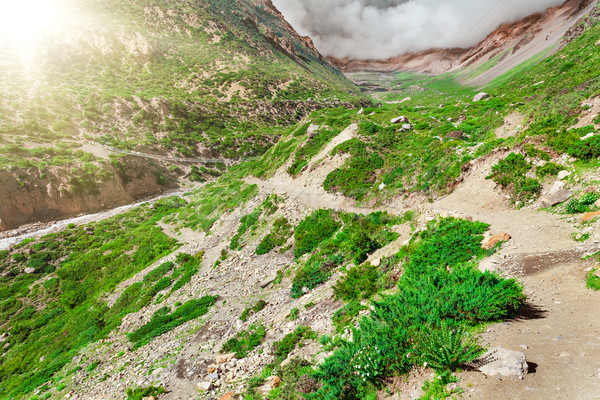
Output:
(362, 110)
(29, 270)
(504, 362)
(398, 120)
(313, 130)
(382, 186)
(562, 175)
(480, 96)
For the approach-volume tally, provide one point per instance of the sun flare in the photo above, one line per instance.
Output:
(23, 23)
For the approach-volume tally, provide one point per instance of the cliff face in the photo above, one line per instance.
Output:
(508, 46)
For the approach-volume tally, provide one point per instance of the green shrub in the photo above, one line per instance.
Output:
(314, 273)
(507, 171)
(313, 230)
(593, 280)
(586, 149)
(548, 169)
(343, 317)
(163, 321)
(278, 236)
(245, 341)
(581, 204)
(448, 347)
(527, 189)
(247, 222)
(159, 272)
(254, 309)
(284, 347)
(294, 314)
(140, 393)
(360, 282)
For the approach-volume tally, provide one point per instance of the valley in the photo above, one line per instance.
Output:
(197, 204)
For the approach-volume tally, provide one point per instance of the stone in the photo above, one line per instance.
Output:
(382, 186)
(491, 242)
(276, 382)
(223, 358)
(227, 396)
(29, 270)
(362, 110)
(406, 127)
(455, 135)
(313, 130)
(504, 362)
(268, 280)
(480, 96)
(399, 120)
(552, 199)
(204, 386)
(588, 216)
(376, 262)
(562, 175)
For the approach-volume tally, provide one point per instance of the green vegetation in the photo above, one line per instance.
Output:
(440, 298)
(141, 393)
(164, 321)
(284, 347)
(278, 236)
(313, 230)
(582, 204)
(254, 309)
(510, 174)
(245, 341)
(81, 264)
(593, 280)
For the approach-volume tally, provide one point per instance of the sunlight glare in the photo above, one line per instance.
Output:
(23, 23)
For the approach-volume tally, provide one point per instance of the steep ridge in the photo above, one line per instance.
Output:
(204, 80)
(505, 48)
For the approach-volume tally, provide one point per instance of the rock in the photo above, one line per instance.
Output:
(268, 280)
(228, 396)
(382, 186)
(399, 120)
(588, 216)
(223, 358)
(480, 96)
(504, 362)
(362, 110)
(550, 200)
(455, 135)
(204, 386)
(491, 242)
(562, 175)
(275, 382)
(313, 130)
(405, 127)
(376, 262)
(29, 270)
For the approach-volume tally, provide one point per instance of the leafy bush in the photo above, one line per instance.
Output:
(140, 393)
(527, 189)
(507, 171)
(359, 283)
(581, 204)
(343, 317)
(254, 309)
(593, 280)
(586, 149)
(245, 341)
(284, 347)
(313, 230)
(548, 169)
(278, 236)
(247, 222)
(448, 347)
(313, 273)
(162, 321)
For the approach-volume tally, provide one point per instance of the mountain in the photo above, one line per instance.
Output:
(511, 44)
(213, 80)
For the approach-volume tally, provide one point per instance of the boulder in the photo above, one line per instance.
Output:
(204, 386)
(562, 175)
(456, 135)
(223, 358)
(29, 270)
(227, 396)
(400, 120)
(270, 383)
(268, 280)
(406, 127)
(504, 362)
(491, 242)
(313, 130)
(552, 199)
(480, 96)
(588, 216)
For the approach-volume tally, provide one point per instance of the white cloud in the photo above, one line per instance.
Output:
(385, 28)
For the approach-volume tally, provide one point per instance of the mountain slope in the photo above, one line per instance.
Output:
(205, 79)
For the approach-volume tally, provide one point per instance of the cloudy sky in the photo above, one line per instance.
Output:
(385, 28)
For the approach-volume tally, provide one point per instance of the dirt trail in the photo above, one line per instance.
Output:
(307, 187)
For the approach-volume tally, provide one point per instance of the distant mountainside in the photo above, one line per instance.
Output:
(508, 46)
(181, 79)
